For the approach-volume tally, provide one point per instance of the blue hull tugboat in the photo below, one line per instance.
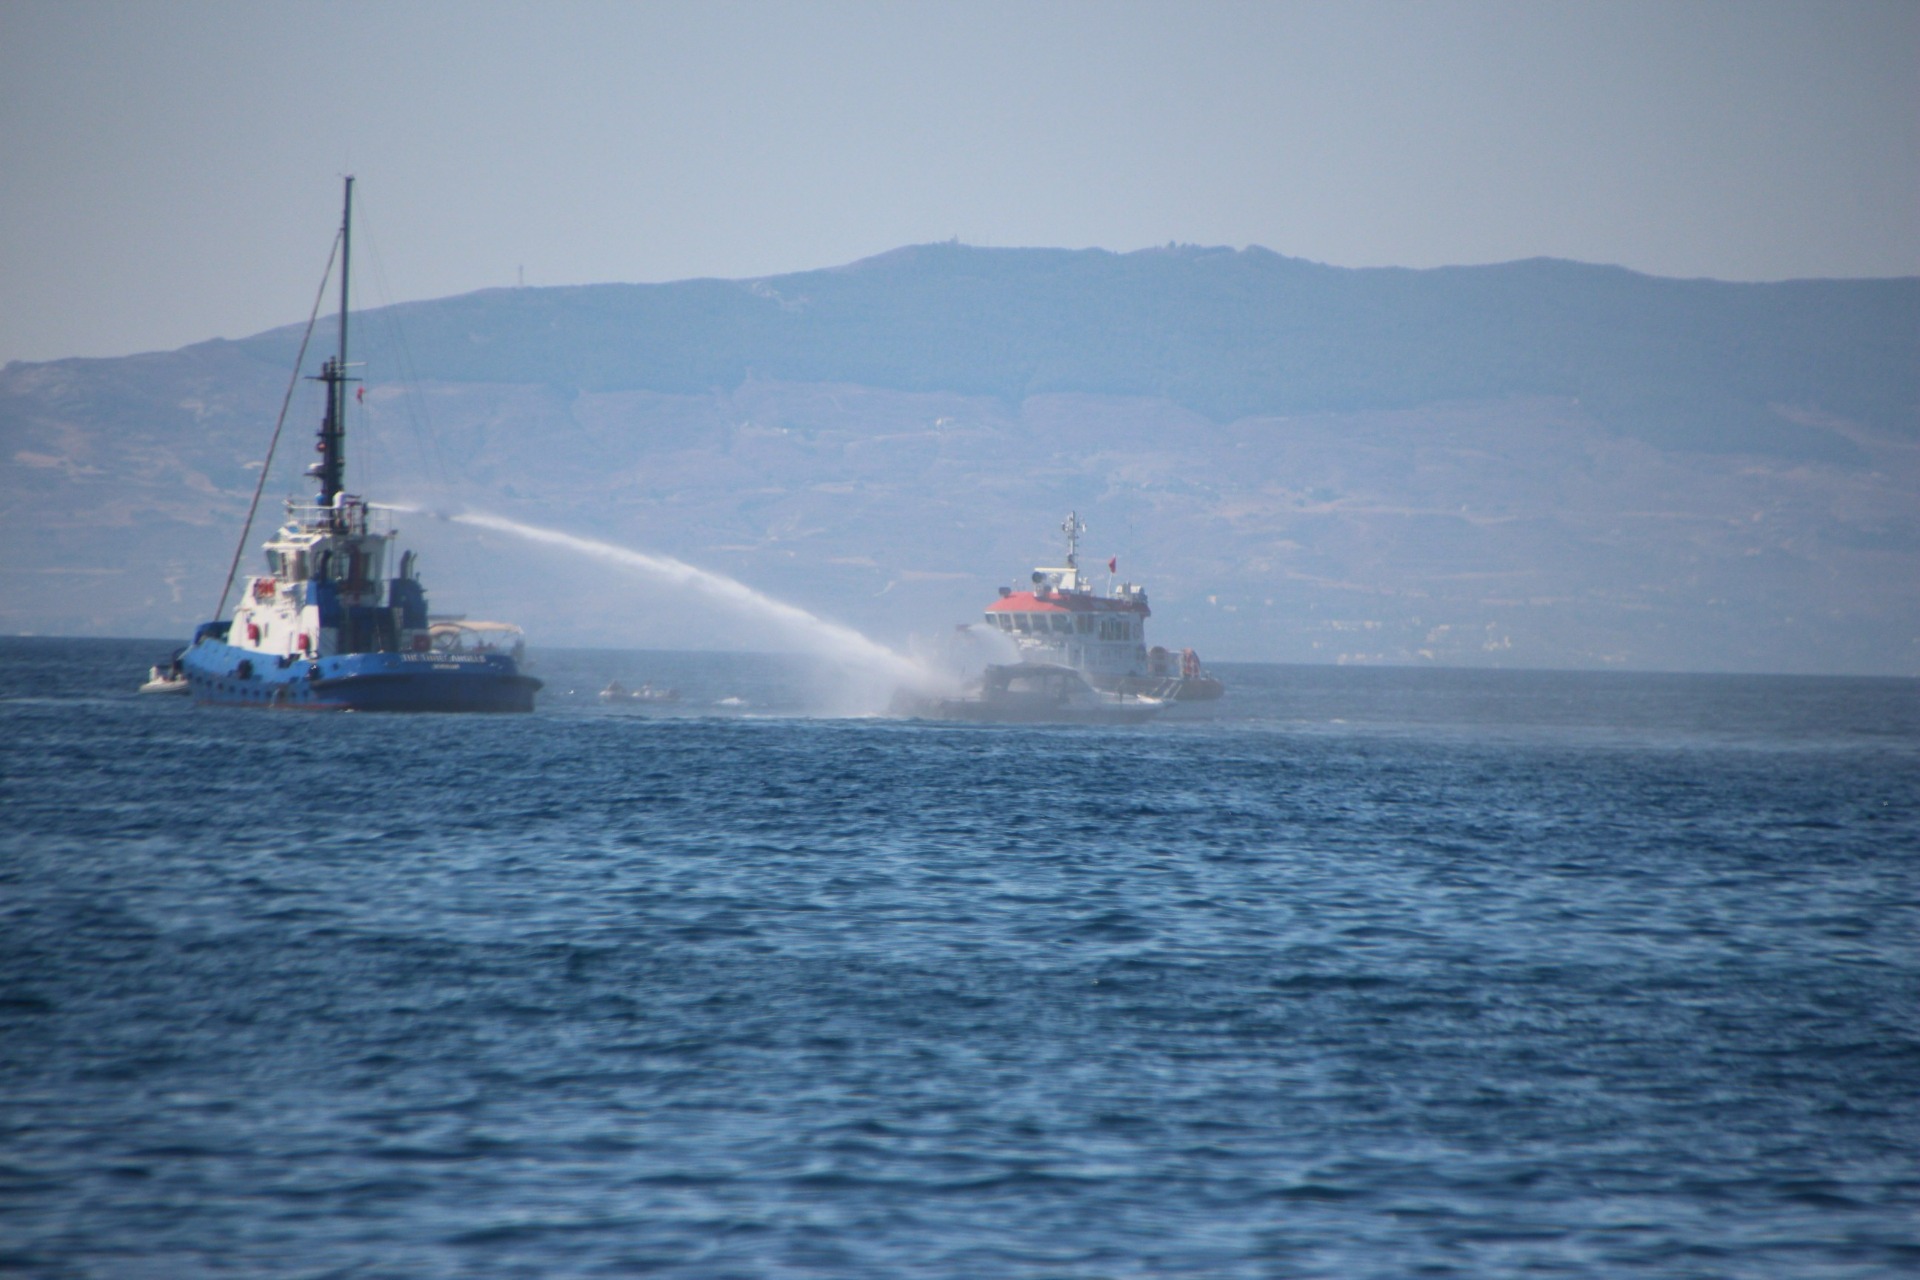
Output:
(325, 628)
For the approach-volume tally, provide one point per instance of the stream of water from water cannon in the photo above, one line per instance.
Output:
(809, 632)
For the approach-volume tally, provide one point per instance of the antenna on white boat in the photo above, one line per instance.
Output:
(1073, 528)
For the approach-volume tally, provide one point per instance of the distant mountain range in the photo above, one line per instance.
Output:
(1539, 463)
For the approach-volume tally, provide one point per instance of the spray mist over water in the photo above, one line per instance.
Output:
(815, 635)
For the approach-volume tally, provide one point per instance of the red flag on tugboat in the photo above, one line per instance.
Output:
(1113, 564)
(360, 395)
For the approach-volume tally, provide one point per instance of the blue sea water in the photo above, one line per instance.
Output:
(1380, 973)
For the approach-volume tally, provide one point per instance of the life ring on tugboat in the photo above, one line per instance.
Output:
(1189, 664)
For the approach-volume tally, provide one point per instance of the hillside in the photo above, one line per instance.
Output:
(1691, 364)
(1540, 463)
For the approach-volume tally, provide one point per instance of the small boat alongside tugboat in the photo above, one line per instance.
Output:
(170, 678)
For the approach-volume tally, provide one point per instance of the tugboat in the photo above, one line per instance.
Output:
(1063, 622)
(324, 628)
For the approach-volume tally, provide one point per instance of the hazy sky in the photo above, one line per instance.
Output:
(170, 171)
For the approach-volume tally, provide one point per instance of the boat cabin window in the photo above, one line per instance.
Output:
(287, 565)
(352, 563)
(1062, 623)
(1084, 623)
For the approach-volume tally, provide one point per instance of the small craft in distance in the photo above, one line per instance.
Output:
(617, 692)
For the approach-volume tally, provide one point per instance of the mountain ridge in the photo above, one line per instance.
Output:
(1228, 333)
(1539, 463)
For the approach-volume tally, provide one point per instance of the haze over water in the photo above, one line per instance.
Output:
(1382, 973)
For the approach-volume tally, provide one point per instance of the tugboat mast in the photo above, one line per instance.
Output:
(333, 428)
(1073, 528)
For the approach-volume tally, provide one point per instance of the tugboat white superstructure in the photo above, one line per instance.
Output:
(1063, 622)
(326, 628)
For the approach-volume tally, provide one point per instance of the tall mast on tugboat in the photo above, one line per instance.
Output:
(333, 428)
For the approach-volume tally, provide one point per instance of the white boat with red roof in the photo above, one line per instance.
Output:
(1062, 620)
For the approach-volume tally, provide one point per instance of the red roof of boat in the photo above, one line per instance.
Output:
(1063, 602)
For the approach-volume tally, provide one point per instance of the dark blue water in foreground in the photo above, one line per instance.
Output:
(1383, 973)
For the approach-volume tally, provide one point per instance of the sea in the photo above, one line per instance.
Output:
(1376, 973)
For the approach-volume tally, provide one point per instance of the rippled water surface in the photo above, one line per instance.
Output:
(1380, 973)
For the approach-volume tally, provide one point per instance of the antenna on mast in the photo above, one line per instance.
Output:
(333, 428)
(1073, 528)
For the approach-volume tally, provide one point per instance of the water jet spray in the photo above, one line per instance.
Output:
(830, 640)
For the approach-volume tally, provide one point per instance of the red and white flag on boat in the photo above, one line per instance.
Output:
(1113, 564)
